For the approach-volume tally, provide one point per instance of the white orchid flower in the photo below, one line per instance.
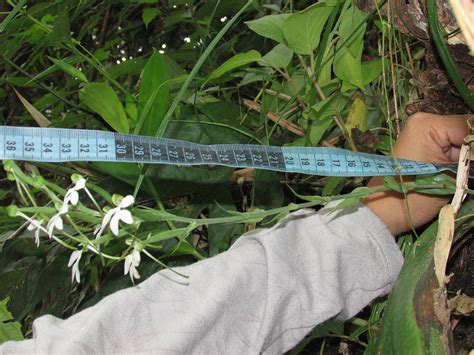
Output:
(72, 195)
(117, 214)
(55, 222)
(74, 262)
(131, 263)
(35, 225)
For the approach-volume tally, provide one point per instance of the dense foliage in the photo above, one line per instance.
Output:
(268, 72)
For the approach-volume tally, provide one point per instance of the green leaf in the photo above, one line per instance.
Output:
(61, 28)
(270, 26)
(131, 108)
(348, 68)
(68, 68)
(11, 15)
(179, 233)
(149, 15)
(371, 70)
(318, 128)
(348, 57)
(310, 198)
(391, 183)
(100, 98)
(153, 95)
(363, 192)
(438, 179)
(8, 330)
(236, 61)
(334, 185)
(279, 57)
(302, 30)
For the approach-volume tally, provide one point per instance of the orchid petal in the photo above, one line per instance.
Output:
(74, 198)
(136, 275)
(126, 201)
(64, 208)
(136, 257)
(114, 223)
(37, 237)
(127, 264)
(125, 216)
(58, 224)
(75, 257)
(76, 273)
(80, 184)
(108, 217)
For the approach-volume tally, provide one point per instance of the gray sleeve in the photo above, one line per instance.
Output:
(263, 295)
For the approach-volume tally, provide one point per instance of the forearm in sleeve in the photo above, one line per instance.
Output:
(263, 295)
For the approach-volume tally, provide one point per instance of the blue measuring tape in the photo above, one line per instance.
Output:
(66, 145)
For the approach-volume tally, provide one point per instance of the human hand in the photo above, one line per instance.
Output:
(429, 138)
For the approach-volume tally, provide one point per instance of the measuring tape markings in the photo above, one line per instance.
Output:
(63, 145)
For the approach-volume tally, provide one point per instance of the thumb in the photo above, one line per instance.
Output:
(448, 132)
(451, 130)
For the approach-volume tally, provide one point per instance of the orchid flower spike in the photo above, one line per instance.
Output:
(117, 214)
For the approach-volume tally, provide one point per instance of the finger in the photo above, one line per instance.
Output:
(453, 154)
(449, 131)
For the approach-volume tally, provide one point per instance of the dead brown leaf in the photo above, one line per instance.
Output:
(40, 119)
(443, 242)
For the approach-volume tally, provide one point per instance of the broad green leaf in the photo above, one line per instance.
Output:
(327, 108)
(351, 30)
(68, 68)
(302, 30)
(236, 61)
(348, 57)
(100, 98)
(153, 95)
(279, 57)
(149, 15)
(8, 330)
(131, 108)
(348, 68)
(325, 71)
(319, 127)
(371, 70)
(269, 26)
